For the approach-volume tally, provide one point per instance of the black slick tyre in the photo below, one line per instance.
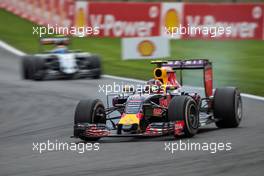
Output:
(184, 108)
(227, 107)
(89, 111)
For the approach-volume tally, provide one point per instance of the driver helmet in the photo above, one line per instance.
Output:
(153, 86)
(60, 49)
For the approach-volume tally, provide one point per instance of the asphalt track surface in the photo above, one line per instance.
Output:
(40, 111)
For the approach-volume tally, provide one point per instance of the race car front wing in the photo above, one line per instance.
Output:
(101, 130)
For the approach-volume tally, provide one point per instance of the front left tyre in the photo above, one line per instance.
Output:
(89, 111)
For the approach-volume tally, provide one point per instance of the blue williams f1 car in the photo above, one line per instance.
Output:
(60, 62)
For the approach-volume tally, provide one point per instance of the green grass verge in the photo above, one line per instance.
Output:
(235, 63)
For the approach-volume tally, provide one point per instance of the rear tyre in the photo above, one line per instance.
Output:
(184, 108)
(227, 107)
(89, 111)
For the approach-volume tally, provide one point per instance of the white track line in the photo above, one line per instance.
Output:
(255, 97)
(11, 49)
(21, 53)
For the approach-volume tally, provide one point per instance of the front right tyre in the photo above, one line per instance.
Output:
(27, 67)
(184, 109)
(96, 65)
(39, 69)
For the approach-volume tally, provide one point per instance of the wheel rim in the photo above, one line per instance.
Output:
(193, 120)
(99, 115)
(239, 109)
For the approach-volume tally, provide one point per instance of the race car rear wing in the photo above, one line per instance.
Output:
(187, 64)
(202, 64)
(55, 41)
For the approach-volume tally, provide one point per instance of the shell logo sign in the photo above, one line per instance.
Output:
(80, 18)
(80, 14)
(146, 48)
(171, 17)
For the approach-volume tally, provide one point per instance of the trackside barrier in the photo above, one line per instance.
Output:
(134, 19)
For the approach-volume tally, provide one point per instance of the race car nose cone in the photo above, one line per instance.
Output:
(129, 119)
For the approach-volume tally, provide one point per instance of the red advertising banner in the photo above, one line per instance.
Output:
(240, 21)
(125, 19)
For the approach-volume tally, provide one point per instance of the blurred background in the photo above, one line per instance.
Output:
(180, 0)
(237, 58)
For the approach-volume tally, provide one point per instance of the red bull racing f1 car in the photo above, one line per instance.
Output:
(165, 110)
